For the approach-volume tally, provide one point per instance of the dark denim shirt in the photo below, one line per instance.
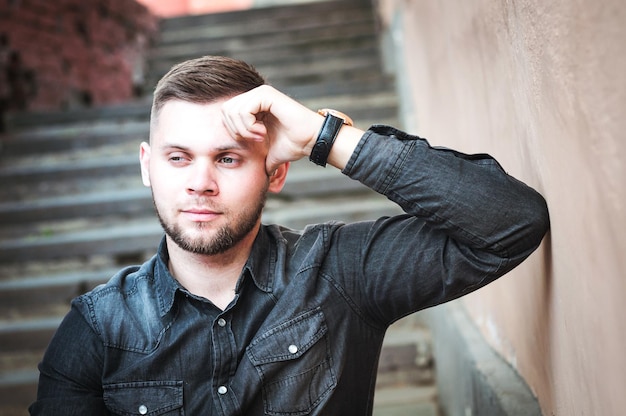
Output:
(304, 331)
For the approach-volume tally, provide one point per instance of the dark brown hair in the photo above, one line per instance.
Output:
(204, 80)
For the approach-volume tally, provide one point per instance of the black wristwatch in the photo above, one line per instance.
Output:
(328, 133)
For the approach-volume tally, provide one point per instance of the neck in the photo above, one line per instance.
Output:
(213, 277)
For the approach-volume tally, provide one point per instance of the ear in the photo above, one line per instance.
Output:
(144, 160)
(277, 179)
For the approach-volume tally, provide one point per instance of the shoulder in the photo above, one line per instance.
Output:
(313, 245)
(129, 303)
(311, 236)
(123, 283)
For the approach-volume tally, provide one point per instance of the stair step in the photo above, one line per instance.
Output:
(339, 56)
(284, 12)
(253, 35)
(13, 146)
(290, 43)
(78, 169)
(406, 401)
(118, 202)
(406, 357)
(326, 32)
(125, 238)
(345, 67)
(64, 130)
(34, 296)
(17, 391)
(323, 49)
(213, 27)
(134, 115)
(27, 334)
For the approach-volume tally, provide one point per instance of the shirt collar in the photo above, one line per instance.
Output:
(260, 267)
(166, 285)
(261, 264)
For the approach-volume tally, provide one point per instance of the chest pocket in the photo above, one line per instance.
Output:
(149, 398)
(294, 363)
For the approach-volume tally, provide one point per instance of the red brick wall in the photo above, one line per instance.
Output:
(57, 54)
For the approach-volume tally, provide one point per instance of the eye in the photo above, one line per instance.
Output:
(229, 161)
(177, 158)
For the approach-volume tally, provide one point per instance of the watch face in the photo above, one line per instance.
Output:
(338, 114)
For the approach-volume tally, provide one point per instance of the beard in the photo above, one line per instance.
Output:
(223, 239)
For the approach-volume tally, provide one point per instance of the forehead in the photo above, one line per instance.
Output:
(196, 127)
(180, 112)
(181, 121)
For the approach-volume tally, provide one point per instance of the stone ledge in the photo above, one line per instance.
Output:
(472, 379)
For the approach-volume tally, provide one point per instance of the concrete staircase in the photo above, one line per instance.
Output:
(73, 209)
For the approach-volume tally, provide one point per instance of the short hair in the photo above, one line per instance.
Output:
(204, 80)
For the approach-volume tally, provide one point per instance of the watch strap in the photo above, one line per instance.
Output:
(326, 138)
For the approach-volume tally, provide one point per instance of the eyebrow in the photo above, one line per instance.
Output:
(225, 148)
(235, 146)
(168, 146)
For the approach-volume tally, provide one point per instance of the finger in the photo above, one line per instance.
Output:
(241, 122)
(271, 165)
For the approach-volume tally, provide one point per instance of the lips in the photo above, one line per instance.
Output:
(200, 214)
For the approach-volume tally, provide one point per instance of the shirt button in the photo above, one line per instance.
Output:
(293, 349)
(222, 390)
(143, 410)
(221, 322)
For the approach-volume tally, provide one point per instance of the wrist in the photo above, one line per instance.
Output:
(322, 143)
(316, 128)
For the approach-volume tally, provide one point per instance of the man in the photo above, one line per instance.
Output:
(232, 317)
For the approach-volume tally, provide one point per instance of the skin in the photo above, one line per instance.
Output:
(210, 167)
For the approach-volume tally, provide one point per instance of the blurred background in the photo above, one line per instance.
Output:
(538, 85)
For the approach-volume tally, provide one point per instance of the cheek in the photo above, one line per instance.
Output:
(164, 183)
(243, 192)
(249, 176)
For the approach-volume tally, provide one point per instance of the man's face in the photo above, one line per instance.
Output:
(208, 188)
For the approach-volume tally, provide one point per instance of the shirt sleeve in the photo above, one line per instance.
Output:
(70, 372)
(468, 222)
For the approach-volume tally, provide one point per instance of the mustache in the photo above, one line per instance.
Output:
(202, 203)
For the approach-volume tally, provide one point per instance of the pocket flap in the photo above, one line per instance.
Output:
(144, 398)
(289, 340)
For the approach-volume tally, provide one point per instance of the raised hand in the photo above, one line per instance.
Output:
(265, 113)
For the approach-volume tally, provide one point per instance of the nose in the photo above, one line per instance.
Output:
(202, 179)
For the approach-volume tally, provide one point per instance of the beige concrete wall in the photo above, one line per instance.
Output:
(540, 85)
